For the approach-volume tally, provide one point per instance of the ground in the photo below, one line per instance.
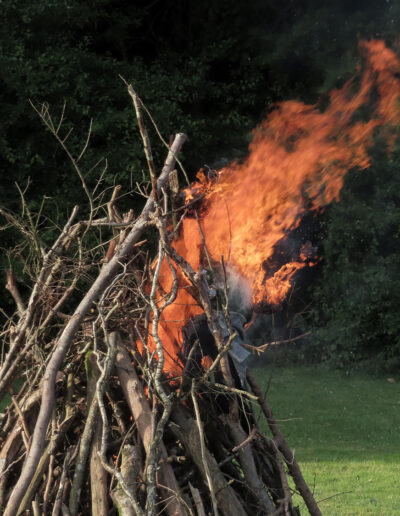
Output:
(345, 430)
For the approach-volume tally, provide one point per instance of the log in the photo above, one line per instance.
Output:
(98, 476)
(186, 430)
(141, 413)
(283, 447)
(248, 465)
(129, 470)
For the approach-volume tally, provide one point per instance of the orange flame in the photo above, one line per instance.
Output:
(298, 158)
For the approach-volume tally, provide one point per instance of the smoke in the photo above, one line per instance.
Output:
(239, 292)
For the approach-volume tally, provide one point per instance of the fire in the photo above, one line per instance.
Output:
(297, 162)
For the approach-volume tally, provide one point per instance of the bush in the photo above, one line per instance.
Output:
(357, 298)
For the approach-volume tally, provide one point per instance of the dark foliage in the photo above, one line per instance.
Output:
(212, 70)
(356, 301)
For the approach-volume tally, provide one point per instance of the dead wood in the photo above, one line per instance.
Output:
(91, 425)
(113, 425)
(98, 476)
(129, 470)
(101, 283)
(287, 453)
(186, 429)
(243, 446)
(142, 415)
(197, 500)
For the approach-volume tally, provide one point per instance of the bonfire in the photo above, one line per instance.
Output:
(140, 399)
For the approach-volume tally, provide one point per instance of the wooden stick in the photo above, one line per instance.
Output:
(263, 347)
(203, 449)
(146, 141)
(141, 412)
(103, 280)
(197, 500)
(186, 430)
(98, 476)
(287, 453)
(248, 465)
(12, 287)
(87, 434)
(129, 471)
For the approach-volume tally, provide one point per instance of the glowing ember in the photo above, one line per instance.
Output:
(297, 162)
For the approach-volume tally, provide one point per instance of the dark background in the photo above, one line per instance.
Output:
(210, 69)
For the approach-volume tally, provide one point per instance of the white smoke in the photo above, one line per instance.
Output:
(239, 291)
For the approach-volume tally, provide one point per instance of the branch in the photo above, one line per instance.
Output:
(87, 434)
(100, 389)
(12, 287)
(287, 453)
(10, 365)
(141, 412)
(263, 347)
(203, 451)
(146, 142)
(100, 284)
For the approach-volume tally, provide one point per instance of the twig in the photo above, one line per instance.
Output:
(248, 439)
(146, 141)
(334, 495)
(23, 422)
(263, 347)
(46, 118)
(233, 390)
(10, 365)
(222, 352)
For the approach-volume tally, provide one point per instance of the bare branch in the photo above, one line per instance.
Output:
(103, 280)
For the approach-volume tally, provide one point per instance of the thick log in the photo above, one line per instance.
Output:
(98, 476)
(186, 430)
(248, 465)
(141, 412)
(129, 470)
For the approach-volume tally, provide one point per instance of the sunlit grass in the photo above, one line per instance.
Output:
(345, 431)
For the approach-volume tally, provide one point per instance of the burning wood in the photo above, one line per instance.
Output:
(145, 400)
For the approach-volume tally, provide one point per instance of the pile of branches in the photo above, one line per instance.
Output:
(92, 425)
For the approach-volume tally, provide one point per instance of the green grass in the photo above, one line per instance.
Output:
(346, 434)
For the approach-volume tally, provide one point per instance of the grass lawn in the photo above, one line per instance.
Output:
(346, 434)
